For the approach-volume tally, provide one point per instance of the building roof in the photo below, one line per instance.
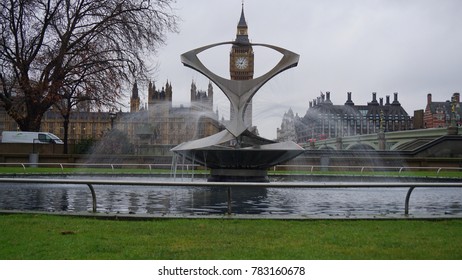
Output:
(242, 38)
(373, 109)
(242, 23)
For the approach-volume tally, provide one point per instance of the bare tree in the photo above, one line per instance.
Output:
(50, 48)
(97, 87)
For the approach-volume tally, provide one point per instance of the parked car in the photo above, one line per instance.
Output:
(30, 137)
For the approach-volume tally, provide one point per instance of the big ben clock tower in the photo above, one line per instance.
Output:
(241, 62)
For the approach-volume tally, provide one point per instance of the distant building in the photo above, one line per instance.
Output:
(287, 131)
(158, 123)
(168, 125)
(440, 114)
(325, 120)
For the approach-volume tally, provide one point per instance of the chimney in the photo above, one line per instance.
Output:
(328, 98)
(388, 100)
(395, 101)
(311, 104)
(429, 98)
(381, 101)
(374, 99)
(349, 101)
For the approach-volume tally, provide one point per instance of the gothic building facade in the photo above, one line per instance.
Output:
(158, 123)
(325, 120)
(287, 131)
(165, 124)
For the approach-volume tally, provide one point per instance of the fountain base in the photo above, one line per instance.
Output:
(247, 162)
(238, 175)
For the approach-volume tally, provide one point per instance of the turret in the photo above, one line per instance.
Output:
(193, 91)
(135, 99)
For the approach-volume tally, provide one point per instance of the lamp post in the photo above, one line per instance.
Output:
(453, 127)
(453, 111)
(112, 116)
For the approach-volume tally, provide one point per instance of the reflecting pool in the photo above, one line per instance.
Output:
(178, 200)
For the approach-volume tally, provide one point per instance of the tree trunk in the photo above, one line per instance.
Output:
(30, 122)
(66, 133)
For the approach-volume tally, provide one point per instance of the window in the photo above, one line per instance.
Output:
(44, 138)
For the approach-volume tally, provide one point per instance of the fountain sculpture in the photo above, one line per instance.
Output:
(237, 154)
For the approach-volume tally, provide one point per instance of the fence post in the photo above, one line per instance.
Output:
(93, 196)
(406, 203)
(438, 172)
(229, 201)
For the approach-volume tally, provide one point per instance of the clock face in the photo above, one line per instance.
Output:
(242, 62)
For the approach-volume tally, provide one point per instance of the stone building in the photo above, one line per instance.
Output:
(442, 113)
(287, 131)
(158, 123)
(165, 124)
(325, 120)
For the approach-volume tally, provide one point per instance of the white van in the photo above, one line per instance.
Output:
(30, 137)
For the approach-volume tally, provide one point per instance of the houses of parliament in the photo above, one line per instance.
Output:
(158, 125)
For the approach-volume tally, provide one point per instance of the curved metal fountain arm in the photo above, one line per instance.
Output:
(239, 92)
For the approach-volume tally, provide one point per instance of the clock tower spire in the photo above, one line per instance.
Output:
(241, 62)
(242, 34)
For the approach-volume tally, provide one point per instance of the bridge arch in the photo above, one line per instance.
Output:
(327, 147)
(361, 147)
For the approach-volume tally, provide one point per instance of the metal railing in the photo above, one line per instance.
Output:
(305, 169)
(310, 185)
(95, 166)
(312, 169)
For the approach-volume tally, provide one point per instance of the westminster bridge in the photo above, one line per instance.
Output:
(407, 140)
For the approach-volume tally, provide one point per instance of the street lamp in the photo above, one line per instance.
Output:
(454, 107)
(112, 116)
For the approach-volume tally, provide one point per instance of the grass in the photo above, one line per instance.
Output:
(30, 236)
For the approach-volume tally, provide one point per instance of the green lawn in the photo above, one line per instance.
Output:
(29, 236)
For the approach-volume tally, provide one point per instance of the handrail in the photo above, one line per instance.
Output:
(189, 166)
(91, 182)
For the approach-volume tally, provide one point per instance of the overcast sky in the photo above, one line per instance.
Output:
(413, 47)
